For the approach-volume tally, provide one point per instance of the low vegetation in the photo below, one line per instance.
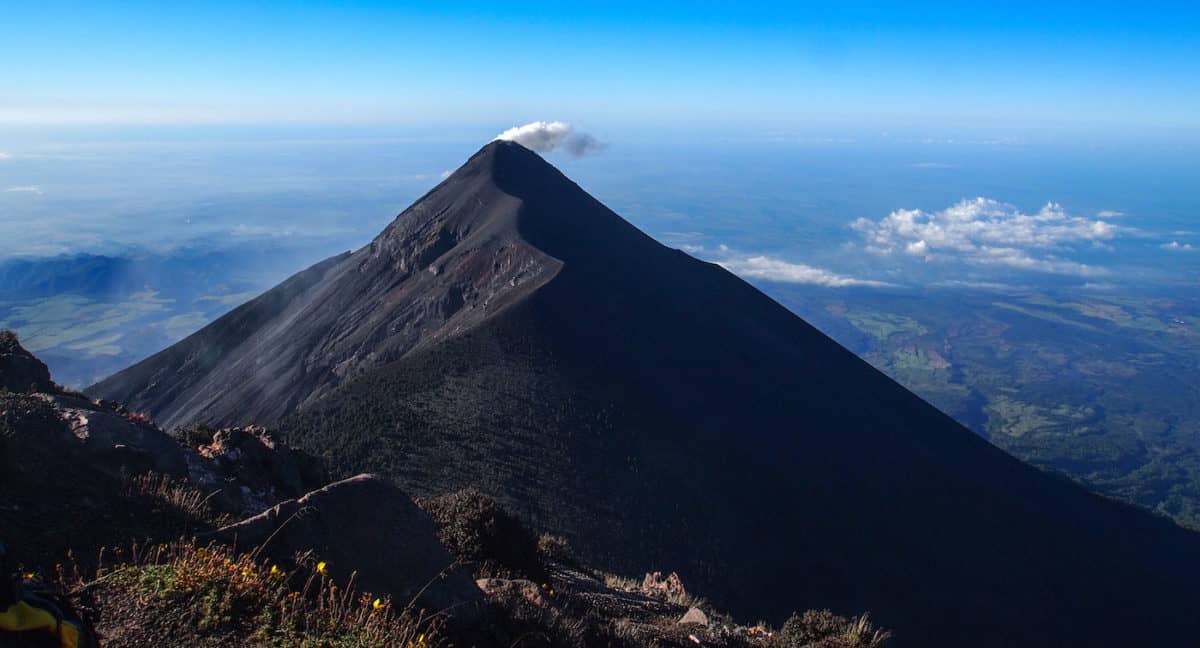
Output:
(184, 594)
(482, 534)
(824, 629)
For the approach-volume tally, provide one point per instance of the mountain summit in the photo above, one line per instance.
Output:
(510, 333)
(487, 237)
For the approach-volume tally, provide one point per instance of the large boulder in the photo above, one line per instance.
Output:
(118, 440)
(365, 526)
(20, 371)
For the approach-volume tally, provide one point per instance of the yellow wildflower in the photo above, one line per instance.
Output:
(321, 568)
(377, 604)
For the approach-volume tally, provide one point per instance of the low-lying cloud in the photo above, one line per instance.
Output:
(1176, 245)
(773, 269)
(544, 137)
(988, 232)
(24, 189)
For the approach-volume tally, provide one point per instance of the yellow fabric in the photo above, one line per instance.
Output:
(23, 617)
(68, 635)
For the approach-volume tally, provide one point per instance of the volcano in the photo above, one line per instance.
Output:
(509, 332)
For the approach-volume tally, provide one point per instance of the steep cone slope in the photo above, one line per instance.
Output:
(511, 333)
(450, 261)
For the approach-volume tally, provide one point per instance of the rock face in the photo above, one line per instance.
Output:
(120, 440)
(510, 333)
(20, 371)
(72, 472)
(367, 527)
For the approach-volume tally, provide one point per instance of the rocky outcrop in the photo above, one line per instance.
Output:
(607, 600)
(20, 371)
(118, 440)
(369, 529)
(257, 470)
(664, 587)
(514, 591)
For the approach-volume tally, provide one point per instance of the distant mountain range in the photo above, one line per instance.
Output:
(88, 315)
(509, 332)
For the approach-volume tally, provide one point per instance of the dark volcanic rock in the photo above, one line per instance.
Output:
(120, 441)
(367, 527)
(508, 332)
(77, 475)
(20, 371)
(264, 471)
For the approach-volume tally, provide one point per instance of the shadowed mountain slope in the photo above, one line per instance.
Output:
(509, 332)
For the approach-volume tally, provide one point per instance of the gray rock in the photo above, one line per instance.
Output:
(694, 616)
(368, 527)
(121, 441)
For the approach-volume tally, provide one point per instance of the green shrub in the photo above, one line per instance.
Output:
(555, 548)
(195, 435)
(824, 629)
(478, 531)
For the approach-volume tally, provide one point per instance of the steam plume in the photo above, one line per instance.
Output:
(544, 137)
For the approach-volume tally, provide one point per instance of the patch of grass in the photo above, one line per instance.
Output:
(178, 495)
(195, 435)
(194, 595)
(884, 325)
(669, 589)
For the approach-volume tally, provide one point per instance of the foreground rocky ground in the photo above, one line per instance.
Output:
(226, 537)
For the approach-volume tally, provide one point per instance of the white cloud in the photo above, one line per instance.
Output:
(24, 189)
(1176, 245)
(1109, 213)
(544, 137)
(4, 156)
(445, 174)
(988, 232)
(917, 248)
(978, 285)
(772, 269)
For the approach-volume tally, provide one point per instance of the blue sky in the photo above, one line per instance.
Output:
(1122, 69)
(896, 143)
